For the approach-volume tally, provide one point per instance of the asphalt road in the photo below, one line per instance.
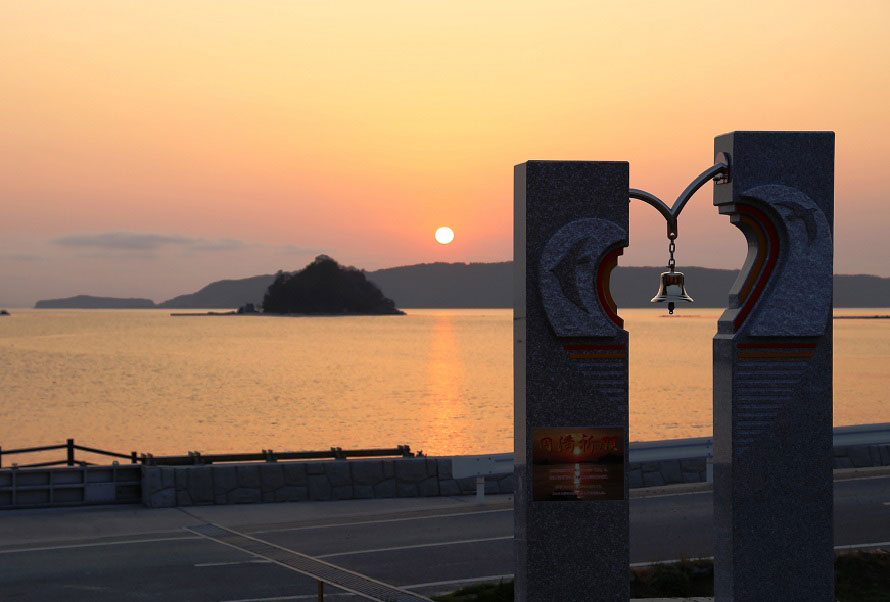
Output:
(431, 550)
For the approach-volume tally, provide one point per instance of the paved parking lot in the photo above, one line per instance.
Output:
(423, 544)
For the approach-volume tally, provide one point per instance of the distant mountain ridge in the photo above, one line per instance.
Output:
(490, 285)
(90, 302)
(448, 284)
(224, 294)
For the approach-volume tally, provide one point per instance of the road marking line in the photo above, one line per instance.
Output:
(415, 546)
(652, 497)
(152, 540)
(882, 476)
(329, 572)
(635, 565)
(255, 561)
(297, 597)
(379, 521)
(456, 581)
(863, 545)
(93, 545)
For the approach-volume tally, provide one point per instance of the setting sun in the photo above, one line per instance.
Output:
(444, 235)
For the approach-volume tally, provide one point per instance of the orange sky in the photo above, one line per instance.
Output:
(147, 148)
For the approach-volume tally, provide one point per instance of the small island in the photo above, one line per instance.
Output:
(324, 287)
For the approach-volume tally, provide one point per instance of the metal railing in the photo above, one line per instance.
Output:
(671, 449)
(193, 457)
(677, 449)
(70, 447)
(702, 447)
(862, 434)
(639, 451)
(268, 455)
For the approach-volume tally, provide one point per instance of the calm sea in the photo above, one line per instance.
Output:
(439, 380)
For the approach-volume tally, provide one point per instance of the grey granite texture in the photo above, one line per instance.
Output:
(804, 282)
(567, 277)
(567, 216)
(772, 373)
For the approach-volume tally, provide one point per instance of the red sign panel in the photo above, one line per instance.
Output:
(577, 464)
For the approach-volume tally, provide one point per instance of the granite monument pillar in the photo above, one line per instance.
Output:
(773, 373)
(570, 382)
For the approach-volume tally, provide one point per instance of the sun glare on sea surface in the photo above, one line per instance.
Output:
(444, 235)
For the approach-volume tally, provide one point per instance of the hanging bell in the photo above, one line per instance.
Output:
(672, 289)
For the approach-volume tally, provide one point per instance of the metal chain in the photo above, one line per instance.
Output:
(671, 248)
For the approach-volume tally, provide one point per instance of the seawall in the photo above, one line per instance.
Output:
(259, 482)
(390, 478)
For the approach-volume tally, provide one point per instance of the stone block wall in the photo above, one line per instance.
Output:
(694, 470)
(168, 486)
(861, 456)
(666, 472)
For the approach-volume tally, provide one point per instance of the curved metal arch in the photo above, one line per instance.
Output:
(708, 174)
(661, 206)
(671, 214)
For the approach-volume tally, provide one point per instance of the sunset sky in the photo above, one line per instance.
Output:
(149, 148)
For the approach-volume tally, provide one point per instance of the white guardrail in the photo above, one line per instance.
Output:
(657, 451)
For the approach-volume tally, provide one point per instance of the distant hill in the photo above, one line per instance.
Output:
(861, 290)
(491, 285)
(635, 286)
(448, 284)
(224, 294)
(325, 287)
(90, 302)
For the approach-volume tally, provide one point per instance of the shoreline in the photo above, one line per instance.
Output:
(235, 313)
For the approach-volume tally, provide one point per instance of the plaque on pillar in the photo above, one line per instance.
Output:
(570, 382)
(773, 373)
(577, 464)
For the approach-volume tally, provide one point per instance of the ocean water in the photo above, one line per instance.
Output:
(438, 380)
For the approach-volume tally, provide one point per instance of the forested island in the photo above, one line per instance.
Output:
(324, 287)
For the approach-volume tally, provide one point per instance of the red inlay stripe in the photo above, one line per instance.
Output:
(587, 347)
(776, 345)
(771, 259)
(602, 285)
